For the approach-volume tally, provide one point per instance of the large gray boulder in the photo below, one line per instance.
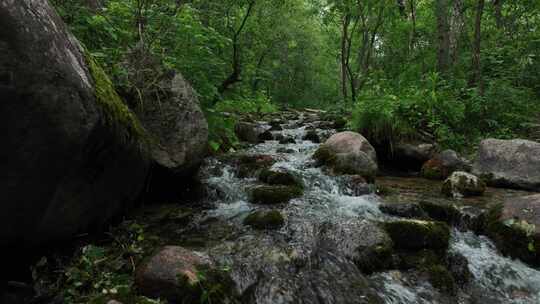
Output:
(509, 163)
(348, 153)
(73, 153)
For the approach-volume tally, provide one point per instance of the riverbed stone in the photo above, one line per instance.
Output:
(249, 165)
(348, 153)
(444, 164)
(271, 195)
(418, 234)
(172, 273)
(461, 184)
(261, 219)
(509, 163)
(274, 177)
(312, 136)
(406, 210)
(248, 132)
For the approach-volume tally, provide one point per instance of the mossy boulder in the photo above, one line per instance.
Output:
(75, 154)
(287, 140)
(418, 234)
(271, 195)
(444, 212)
(273, 177)
(265, 136)
(461, 184)
(406, 210)
(272, 219)
(514, 226)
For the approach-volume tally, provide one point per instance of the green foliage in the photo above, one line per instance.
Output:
(97, 273)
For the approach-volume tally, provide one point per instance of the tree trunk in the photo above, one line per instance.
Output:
(457, 25)
(443, 35)
(476, 78)
(498, 13)
(344, 55)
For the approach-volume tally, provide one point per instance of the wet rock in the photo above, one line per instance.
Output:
(114, 302)
(442, 279)
(75, 155)
(509, 163)
(356, 185)
(271, 195)
(461, 184)
(458, 265)
(285, 150)
(265, 219)
(443, 212)
(172, 274)
(287, 140)
(265, 136)
(312, 136)
(273, 177)
(275, 125)
(515, 228)
(251, 165)
(405, 210)
(246, 131)
(417, 234)
(444, 164)
(348, 153)
(411, 156)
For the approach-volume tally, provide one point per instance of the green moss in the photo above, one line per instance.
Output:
(512, 237)
(212, 285)
(415, 234)
(374, 259)
(270, 195)
(265, 219)
(441, 212)
(280, 178)
(117, 114)
(441, 278)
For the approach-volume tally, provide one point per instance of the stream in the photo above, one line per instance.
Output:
(310, 259)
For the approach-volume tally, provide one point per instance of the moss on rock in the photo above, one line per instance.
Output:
(272, 177)
(265, 219)
(416, 234)
(270, 195)
(117, 114)
(441, 278)
(324, 156)
(441, 212)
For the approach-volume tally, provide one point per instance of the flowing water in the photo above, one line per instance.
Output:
(308, 260)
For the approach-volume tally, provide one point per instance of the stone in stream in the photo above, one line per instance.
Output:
(183, 276)
(515, 228)
(444, 164)
(418, 234)
(509, 163)
(312, 136)
(348, 153)
(275, 125)
(271, 195)
(248, 132)
(406, 210)
(461, 184)
(273, 177)
(355, 185)
(266, 135)
(74, 155)
(272, 219)
(287, 140)
(251, 164)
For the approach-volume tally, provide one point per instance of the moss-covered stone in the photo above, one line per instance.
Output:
(416, 234)
(513, 238)
(265, 219)
(312, 136)
(118, 115)
(433, 169)
(270, 195)
(441, 212)
(251, 165)
(273, 177)
(441, 278)
(373, 259)
(324, 156)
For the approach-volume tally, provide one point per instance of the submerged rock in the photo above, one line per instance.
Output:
(417, 234)
(272, 219)
(270, 195)
(74, 154)
(509, 163)
(356, 185)
(251, 164)
(348, 153)
(444, 164)
(461, 184)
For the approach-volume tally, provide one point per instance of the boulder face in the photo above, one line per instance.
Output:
(348, 153)
(179, 127)
(444, 164)
(74, 152)
(509, 163)
(461, 184)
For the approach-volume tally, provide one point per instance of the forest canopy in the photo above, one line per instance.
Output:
(452, 70)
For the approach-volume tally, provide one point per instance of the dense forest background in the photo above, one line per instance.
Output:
(452, 70)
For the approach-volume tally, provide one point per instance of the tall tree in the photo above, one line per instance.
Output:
(443, 35)
(476, 78)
